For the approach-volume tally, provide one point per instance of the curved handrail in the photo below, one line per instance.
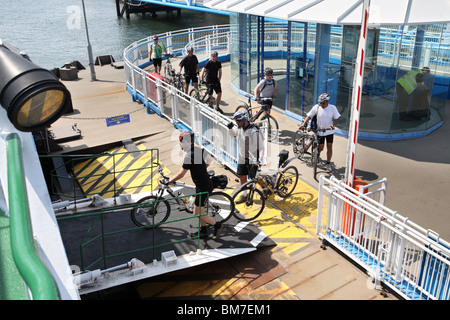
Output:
(178, 107)
(32, 269)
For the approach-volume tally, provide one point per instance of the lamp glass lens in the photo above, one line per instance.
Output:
(40, 107)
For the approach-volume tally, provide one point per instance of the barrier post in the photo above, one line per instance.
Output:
(351, 218)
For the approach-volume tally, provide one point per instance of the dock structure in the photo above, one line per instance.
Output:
(130, 6)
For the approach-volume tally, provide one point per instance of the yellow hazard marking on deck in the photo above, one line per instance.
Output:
(300, 206)
(118, 172)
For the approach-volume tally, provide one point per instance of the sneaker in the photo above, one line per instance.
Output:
(329, 167)
(219, 110)
(218, 228)
(242, 198)
(203, 234)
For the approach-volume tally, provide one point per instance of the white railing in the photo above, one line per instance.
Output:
(412, 261)
(179, 108)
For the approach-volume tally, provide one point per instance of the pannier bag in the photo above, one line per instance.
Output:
(219, 181)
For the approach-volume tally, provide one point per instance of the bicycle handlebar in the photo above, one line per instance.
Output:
(166, 179)
(323, 130)
(318, 130)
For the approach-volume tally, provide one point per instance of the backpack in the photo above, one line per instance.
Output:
(265, 83)
(314, 123)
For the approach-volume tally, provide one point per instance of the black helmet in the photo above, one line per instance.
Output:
(214, 54)
(268, 71)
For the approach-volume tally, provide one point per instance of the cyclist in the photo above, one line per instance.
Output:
(213, 69)
(327, 117)
(251, 148)
(196, 161)
(190, 64)
(155, 54)
(266, 88)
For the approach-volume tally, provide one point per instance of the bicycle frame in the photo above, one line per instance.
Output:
(181, 202)
(169, 72)
(314, 145)
(263, 107)
(259, 176)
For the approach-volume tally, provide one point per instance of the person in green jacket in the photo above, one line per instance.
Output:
(405, 87)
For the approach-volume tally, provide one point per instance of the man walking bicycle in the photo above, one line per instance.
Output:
(213, 69)
(251, 148)
(196, 161)
(327, 117)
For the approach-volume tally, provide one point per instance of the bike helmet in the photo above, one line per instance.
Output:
(184, 135)
(189, 49)
(155, 37)
(268, 71)
(323, 97)
(214, 54)
(241, 115)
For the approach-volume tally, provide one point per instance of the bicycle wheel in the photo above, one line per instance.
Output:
(220, 206)
(253, 205)
(314, 157)
(244, 107)
(301, 144)
(152, 215)
(179, 84)
(287, 181)
(199, 94)
(272, 126)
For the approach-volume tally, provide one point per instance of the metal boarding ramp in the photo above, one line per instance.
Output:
(410, 260)
(104, 247)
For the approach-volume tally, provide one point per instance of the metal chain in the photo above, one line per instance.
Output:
(102, 118)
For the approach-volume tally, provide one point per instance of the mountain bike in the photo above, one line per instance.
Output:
(303, 140)
(205, 94)
(272, 124)
(281, 182)
(201, 93)
(172, 77)
(154, 210)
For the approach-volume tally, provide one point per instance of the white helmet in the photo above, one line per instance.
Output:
(323, 97)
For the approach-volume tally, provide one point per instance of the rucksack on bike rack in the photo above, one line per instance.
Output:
(283, 155)
(220, 181)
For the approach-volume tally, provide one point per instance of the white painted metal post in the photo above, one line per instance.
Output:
(356, 97)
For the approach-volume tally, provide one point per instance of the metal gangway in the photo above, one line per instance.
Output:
(185, 112)
(410, 260)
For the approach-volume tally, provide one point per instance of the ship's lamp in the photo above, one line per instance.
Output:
(32, 96)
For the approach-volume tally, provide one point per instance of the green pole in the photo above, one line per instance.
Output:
(31, 268)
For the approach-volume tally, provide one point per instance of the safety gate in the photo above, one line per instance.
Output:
(412, 261)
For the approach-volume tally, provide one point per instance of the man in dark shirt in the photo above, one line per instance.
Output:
(190, 64)
(196, 161)
(213, 69)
